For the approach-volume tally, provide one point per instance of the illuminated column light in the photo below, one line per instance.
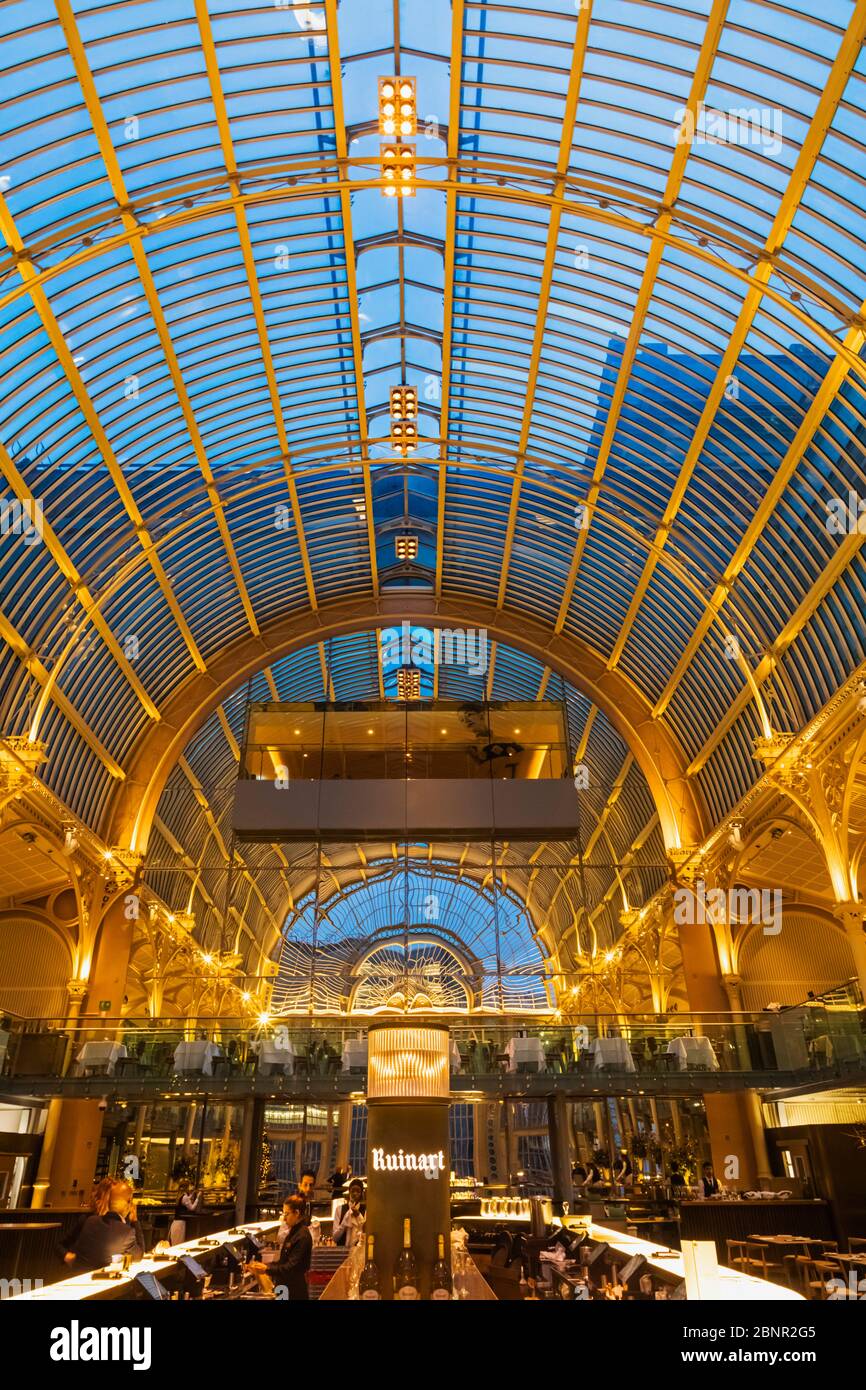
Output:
(408, 1064)
(404, 419)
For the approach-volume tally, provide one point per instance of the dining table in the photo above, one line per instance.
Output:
(612, 1052)
(196, 1055)
(102, 1054)
(524, 1054)
(355, 1054)
(693, 1052)
(274, 1056)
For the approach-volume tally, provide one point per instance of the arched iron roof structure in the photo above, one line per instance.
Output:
(629, 288)
(568, 898)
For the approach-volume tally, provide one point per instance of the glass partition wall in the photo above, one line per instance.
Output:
(425, 739)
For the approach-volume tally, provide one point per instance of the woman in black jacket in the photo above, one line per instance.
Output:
(111, 1230)
(290, 1271)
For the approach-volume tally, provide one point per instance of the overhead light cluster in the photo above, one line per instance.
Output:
(399, 168)
(404, 419)
(398, 106)
(409, 683)
(398, 118)
(406, 547)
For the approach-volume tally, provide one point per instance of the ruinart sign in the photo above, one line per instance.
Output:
(431, 1165)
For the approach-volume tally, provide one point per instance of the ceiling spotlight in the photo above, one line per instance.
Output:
(399, 170)
(406, 547)
(398, 107)
(408, 683)
(404, 419)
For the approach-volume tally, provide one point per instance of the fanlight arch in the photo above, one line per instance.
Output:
(401, 974)
(412, 930)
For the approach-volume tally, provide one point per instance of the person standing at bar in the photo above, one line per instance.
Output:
(350, 1217)
(290, 1270)
(304, 1191)
(68, 1242)
(709, 1183)
(112, 1230)
(189, 1203)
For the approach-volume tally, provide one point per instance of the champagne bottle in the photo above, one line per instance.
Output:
(440, 1280)
(368, 1284)
(405, 1270)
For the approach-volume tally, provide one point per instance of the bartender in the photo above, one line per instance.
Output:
(709, 1184)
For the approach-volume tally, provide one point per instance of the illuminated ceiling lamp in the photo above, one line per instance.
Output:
(398, 118)
(408, 683)
(406, 547)
(404, 419)
(398, 107)
(399, 169)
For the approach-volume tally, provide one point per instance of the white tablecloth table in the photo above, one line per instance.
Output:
(693, 1052)
(272, 1054)
(525, 1052)
(197, 1055)
(100, 1054)
(612, 1052)
(355, 1054)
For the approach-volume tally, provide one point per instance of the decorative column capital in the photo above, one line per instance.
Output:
(686, 863)
(77, 989)
(19, 759)
(852, 915)
(767, 750)
(122, 866)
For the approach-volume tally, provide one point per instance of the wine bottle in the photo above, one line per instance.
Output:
(406, 1271)
(440, 1280)
(368, 1284)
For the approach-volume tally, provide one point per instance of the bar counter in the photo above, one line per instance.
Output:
(82, 1287)
(731, 1285)
(720, 1220)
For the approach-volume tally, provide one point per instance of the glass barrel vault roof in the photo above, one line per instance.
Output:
(630, 291)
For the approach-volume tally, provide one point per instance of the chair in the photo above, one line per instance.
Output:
(130, 1066)
(751, 1258)
(856, 1244)
(814, 1276)
(735, 1253)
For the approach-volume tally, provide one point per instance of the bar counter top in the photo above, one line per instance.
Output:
(731, 1285)
(83, 1286)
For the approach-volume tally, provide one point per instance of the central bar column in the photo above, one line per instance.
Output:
(408, 1158)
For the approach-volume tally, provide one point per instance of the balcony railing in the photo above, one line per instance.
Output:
(807, 1043)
